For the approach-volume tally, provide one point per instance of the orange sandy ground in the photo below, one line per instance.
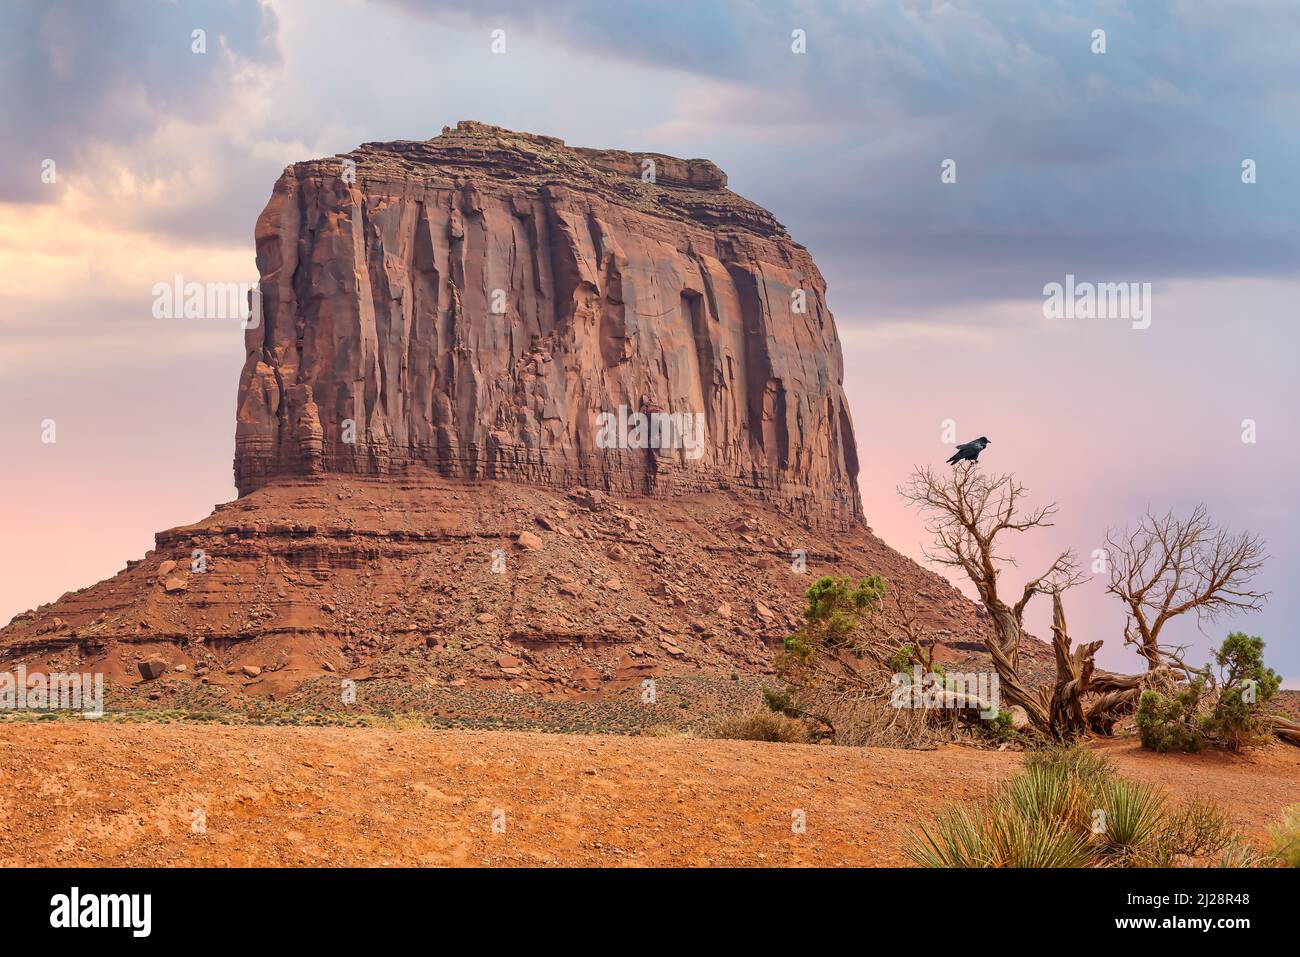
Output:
(126, 795)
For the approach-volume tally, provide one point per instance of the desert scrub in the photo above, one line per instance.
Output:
(666, 731)
(1186, 720)
(1000, 729)
(759, 726)
(1173, 723)
(1068, 808)
(1199, 829)
(1285, 838)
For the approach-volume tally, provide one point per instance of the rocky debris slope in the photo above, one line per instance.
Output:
(492, 586)
(474, 303)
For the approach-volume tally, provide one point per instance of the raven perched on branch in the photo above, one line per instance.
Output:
(969, 452)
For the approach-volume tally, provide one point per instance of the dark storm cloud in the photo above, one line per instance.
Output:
(1127, 162)
(73, 74)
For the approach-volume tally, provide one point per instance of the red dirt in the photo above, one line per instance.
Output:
(126, 795)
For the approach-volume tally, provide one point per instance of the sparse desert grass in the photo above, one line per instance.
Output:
(877, 724)
(667, 731)
(760, 726)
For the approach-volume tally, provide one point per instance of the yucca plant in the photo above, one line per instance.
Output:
(1074, 760)
(1046, 816)
(1017, 841)
(960, 839)
(1285, 848)
(1134, 814)
(998, 835)
(1069, 809)
(1036, 819)
(1050, 794)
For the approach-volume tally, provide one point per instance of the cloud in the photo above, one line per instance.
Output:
(1115, 164)
(75, 75)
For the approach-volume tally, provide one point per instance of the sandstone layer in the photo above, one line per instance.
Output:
(472, 304)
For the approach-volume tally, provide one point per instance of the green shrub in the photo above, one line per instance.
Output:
(1183, 721)
(837, 605)
(1246, 687)
(901, 659)
(1173, 723)
(1001, 729)
(779, 701)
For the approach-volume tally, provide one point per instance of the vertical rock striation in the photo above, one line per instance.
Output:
(474, 303)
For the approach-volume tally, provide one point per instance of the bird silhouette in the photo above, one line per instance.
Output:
(969, 451)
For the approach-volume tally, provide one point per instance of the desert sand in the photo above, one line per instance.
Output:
(108, 794)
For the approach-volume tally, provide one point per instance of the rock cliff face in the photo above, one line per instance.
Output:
(474, 305)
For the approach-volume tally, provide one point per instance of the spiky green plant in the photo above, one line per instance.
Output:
(1018, 841)
(1134, 814)
(1048, 794)
(960, 839)
(1074, 760)
(1285, 847)
(998, 835)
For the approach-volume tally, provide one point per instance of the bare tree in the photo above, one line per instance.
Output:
(1168, 566)
(968, 512)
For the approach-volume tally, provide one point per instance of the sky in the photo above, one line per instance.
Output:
(942, 161)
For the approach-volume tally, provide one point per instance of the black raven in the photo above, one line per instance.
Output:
(970, 452)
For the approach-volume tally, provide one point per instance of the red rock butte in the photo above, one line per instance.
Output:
(423, 502)
(471, 304)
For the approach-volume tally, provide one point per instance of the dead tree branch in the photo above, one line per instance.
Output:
(1168, 566)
